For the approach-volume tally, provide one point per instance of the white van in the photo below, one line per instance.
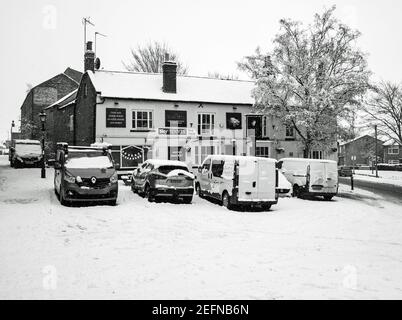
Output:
(238, 181)
(311, 176)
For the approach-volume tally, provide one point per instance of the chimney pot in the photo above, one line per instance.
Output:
(89, 58)
(169, 69)
(89, 46)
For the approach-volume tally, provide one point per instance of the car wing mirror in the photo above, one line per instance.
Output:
(199, 169)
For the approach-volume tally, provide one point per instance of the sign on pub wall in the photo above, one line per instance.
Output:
(115, 118)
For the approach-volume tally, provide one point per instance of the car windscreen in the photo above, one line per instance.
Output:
(167, 169)
(28, 149)
(88, 160)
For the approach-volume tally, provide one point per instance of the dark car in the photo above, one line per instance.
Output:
(85, 174)
(166, 179)
(25, 153)
(345, 171)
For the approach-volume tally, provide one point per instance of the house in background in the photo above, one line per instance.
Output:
(360, 151)
(43, 95)
(60, 121)
(392, 152)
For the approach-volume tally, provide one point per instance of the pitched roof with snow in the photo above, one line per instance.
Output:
(357, 138)
(148, 86)
(65, 101)
(390, 143)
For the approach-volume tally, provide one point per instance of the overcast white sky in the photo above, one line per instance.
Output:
(40, 38)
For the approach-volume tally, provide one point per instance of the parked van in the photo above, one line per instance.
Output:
(238, 181)
(24, 153)
(311, 176)
(84, 174)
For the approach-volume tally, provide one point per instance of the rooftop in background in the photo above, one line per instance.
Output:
(391, 142)
(73, 74)
(148, 86)
(355, 139)
(65, 101)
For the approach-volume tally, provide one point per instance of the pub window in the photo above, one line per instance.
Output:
(265, 126)
(71, 123)
(176, 118)
(142, 120)
(393, 150)
(290, 132)
(262, 152)
(316, 154)
(206, 123)
(177, 153)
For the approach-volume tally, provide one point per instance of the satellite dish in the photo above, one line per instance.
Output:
(97, 63)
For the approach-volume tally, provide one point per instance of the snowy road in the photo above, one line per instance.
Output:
(348, 248)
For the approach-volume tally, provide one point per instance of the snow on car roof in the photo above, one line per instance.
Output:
(159, 163)
(228, 157)
(27, 141)
(131, 85)
(306, 160)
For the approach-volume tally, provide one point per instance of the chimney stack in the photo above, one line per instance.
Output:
(169, 75)
(89, 58)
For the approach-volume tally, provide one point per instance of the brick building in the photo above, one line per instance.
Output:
(43, 95)
(362, 149)
(392, 152)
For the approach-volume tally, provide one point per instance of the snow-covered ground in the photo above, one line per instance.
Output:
(389, 177)
(347, 248)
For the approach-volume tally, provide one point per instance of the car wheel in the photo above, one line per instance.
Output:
(187, 200)
(61, 198)
(328, 198)
(226, 200)
(133, 189)
(199, 191)
(112, 202)
(296, 191)
(266, 207)
(149, 194)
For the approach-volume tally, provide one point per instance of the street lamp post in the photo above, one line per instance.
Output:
(11, 130)
(42, 117)
(376, 151)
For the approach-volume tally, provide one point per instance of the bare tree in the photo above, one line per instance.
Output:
(218, 75)
(383, 107)
(149, 58)
(313, 77)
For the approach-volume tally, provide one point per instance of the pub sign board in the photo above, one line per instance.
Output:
(233, 120)
(115, 118)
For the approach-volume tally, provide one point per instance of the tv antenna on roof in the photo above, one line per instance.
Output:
(98, 34)
(85, 22)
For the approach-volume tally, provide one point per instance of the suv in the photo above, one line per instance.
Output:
(25, 153)
(163, 178)
(85, 174)
(345, 171)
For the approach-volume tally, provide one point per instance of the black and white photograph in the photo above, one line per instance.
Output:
(201, 151)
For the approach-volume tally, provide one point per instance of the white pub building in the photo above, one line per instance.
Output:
(170, 116)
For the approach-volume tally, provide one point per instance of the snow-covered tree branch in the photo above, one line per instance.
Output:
(313, 77)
